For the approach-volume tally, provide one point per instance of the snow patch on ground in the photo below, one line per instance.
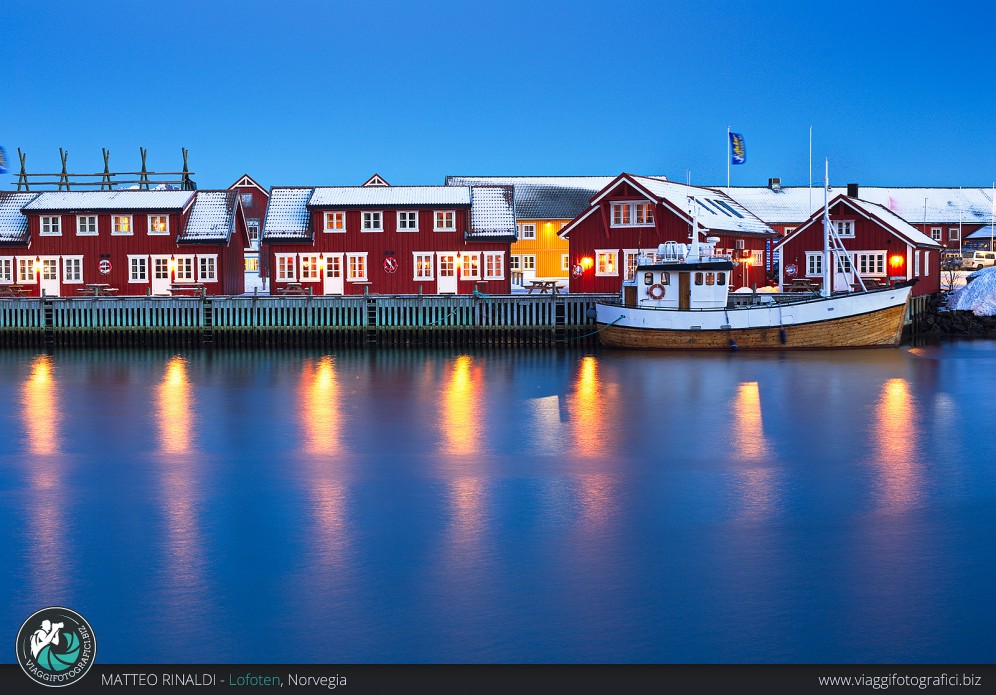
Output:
(978, 295)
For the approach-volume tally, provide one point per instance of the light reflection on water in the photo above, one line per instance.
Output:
(521, 506)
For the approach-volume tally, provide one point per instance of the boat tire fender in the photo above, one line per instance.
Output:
(656, 291)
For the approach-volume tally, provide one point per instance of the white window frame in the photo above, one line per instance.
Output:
(870, 260)
(565, 261)
(143, 263)
(494, 259)
(50, 225)
(252, 223)
(281, 273)
(614, 255)
(335, 217)
(362, 260)
(368, 217)
(474, 258)
(843, 263)
(954, 234)
(308, 270)
(916, 264)
(936, 233)
(630, 257)
(844, 228)
(158, 217)
(207, 276)
(527, 230)
(7, 266)
(185, 263)
(114, 225)
(26, 274)
(814, 264)
(428, 261)
(72, 278)
(448, 220)
(529, 262)
(926, 263)
(515, 262)
(788, 230)
(407, 214)
(638, 213)
(246, 200)
(79, 225)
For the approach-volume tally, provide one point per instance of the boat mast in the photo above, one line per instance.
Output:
(825, 290)
(693, 248)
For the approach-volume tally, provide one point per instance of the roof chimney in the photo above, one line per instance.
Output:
(775, 184)
(852, 190)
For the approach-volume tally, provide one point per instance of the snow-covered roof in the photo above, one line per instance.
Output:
(986, 232)
(287, 215)
(388, 196)
(211, 219)
(97, 201)
(943, 205)
(13, 223)
(716, 211)
(894, 221)
(543, 197)
(492, 214)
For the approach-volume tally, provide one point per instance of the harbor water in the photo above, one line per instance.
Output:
(504, 506)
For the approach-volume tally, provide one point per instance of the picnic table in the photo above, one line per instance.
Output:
(545, 286)
(802, 285)
(13, 290)
(97, 289)
(294, 288)
(187, 289)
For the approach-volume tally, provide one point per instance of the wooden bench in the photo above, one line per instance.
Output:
(96, 290)
(294, 288)
(13, 290)
(803, 285)
(193, 289)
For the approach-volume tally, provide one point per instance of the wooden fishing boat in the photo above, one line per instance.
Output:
(679, 299)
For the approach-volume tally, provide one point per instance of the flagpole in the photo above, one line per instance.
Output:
(825, 290)
(992, 217)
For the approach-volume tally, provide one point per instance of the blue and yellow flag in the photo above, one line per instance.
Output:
(3, 161)
(738, 155)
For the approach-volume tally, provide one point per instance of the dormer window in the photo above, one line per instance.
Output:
(844, 227)
(632, 214)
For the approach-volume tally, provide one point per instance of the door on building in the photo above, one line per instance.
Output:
(446, 282)
(160, 275)
(49, 278)
(333, 274)
(684, 290)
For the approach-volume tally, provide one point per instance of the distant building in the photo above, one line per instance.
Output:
(254, 199)
(134, 241)
(384, 239)
(637, 213)
(882, 247)
(946, 215)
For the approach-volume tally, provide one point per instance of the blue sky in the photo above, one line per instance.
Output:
(330, 92)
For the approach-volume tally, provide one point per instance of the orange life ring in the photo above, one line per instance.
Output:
(654, 294)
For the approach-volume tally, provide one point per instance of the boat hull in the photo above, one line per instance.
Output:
(870, 322)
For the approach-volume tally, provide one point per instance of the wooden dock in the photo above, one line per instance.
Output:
(305, 321)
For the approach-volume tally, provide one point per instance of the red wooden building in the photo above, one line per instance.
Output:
(254, 199)
(387, 239)
(882, 246)
(637, 213)
(129, 242)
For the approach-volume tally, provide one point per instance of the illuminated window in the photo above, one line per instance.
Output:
(698, 278)
(158, 224)
(356, 264)
(286, 267)
(494, 265)
(86, 225)
(309, 267)
(606, 262)
(335, 222)
(373, 222)
(408, 221)
(184, 268)
(423, 266)
(445, 221)
(252, 264)
(470, 266)
(630, 256)
(710, 278)
(632, 214)
(565, 262)
(51, 225)
(121, 224)
(26, 270)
